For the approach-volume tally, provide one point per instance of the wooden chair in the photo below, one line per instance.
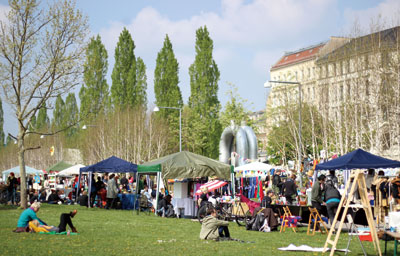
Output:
(286, 220)
(315, 219)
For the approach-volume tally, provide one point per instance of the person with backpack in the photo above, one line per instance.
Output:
(332, 199)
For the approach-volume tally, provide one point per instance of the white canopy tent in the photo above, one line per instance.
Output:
(253, 169)
(71, 171)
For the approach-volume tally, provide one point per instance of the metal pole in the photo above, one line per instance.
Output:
(180, 130)
(300, 144)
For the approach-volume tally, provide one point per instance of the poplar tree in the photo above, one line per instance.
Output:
(128, 77)
(42, 120)
(166, 89)
(94, 92)
(203, 100)
(71, 114)
(124, 72)
(58, 114)
(140, 96)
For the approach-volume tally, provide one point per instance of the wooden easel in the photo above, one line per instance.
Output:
(317, 221)
(358, 179)
(285, 220)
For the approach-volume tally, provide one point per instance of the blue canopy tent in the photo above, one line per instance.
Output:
(112, 164)
(358, 159)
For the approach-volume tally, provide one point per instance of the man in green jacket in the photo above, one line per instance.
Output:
(316, 193)
(213, 228)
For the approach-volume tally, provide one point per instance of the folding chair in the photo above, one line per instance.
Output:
(144, 204)
(288, 220)
(315, 219)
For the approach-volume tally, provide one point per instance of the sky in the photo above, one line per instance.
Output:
(249, 35)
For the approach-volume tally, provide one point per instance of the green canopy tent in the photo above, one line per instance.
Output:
(59, 167)
(185, 165)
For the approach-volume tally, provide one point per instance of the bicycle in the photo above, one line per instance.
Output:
(226, 212)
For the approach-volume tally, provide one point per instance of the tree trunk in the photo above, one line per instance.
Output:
(21, 161)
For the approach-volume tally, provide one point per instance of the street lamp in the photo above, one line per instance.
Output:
(156, 109)
(269, 85)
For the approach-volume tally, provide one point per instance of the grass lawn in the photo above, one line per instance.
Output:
(121, 232)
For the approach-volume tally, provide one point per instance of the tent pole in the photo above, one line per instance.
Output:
(78, 186)
(89, 187)
(136, 192)
(158, 191)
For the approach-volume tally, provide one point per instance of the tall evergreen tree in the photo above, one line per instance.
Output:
(94, 93)
(71, 114)
(58, 114)
(124, 72)
(42, 121)
(203, 101)
(166, 89)
(1, 124)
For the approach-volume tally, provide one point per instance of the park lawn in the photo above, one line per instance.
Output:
(122, 232)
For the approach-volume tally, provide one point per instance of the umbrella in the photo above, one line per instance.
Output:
(212, 185)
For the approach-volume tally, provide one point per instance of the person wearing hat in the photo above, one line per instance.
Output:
(12, 184)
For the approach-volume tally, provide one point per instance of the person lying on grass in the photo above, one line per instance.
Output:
(213, 228)
(28, 221)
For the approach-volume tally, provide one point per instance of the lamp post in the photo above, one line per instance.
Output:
(269, 85)
(156, 109)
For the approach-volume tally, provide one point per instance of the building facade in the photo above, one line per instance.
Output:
(355, 86)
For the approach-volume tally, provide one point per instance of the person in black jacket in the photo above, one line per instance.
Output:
(332, 199)
(290, 189)
(277, 182)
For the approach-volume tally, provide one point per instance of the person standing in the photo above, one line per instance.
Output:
(290, 189)
(12, 184)
(333, 178)
(277, 182)
(316, 193)
(112, 191)
(332, 199)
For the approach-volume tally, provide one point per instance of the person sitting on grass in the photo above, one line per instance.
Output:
(213, 228)
(165, 207)
(29, 219)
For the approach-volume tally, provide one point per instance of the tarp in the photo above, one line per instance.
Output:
(71, 171)
(59, 166)
(112, 164)
(358, 159)
(185, 164)
(15, 170)
(255, 166)
(211, 186)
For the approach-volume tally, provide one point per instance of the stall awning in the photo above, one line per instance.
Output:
(212, 185)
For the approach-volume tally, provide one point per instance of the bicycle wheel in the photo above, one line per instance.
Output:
(243, 220)
(202, 212)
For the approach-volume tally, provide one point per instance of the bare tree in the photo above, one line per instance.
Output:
(41, 52)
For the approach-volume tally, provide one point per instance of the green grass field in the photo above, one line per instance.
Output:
(121, 232)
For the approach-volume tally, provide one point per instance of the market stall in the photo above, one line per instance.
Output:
(15, 170)
(111, 165)
(357, 159)
(184, 165)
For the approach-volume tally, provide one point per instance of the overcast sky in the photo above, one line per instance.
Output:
(249, 35)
